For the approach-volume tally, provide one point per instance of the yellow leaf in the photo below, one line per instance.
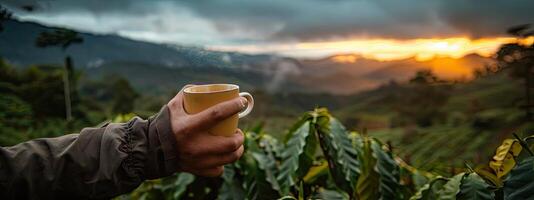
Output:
(315, 172)
(504, 159)
(488, 174)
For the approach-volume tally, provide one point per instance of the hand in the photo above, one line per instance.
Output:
(200, 152)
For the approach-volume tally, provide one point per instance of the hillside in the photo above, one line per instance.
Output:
(470, 122)
(348, 76)
(165, 67)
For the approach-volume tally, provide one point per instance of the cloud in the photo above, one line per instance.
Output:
(308, 20)
(214, 22)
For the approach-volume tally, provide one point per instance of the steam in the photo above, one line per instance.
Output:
(282, 70)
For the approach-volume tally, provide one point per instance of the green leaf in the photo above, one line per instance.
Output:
(451, 188)
(367, 186)
(430, 190)
(338, 150)
(181, 183)
(332, 195)
(520, 182)
(268, 166)
(388, 171)
(259, 172)
(271, 146)
(297, 157)
(231, 188)
(287, 198)
(472, 186)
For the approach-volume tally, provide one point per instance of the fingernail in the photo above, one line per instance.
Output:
(243, 102)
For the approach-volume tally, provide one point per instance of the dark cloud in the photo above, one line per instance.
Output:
(319, 20)
(312, 20)
(481, 18)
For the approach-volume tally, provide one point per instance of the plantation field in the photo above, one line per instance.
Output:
(321, 159)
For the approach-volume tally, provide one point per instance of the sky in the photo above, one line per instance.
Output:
(379, 29)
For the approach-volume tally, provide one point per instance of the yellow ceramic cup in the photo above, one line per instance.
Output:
(200, 97)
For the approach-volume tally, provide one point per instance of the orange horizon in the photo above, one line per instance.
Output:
(383, 49)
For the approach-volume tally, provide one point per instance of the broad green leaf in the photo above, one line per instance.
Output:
(271, 146)
(332, 195)
(388, 171)
(419, 179)
(181, 183)
(287, 198)
(520, 182)
(367, 186)
(338, 150)
(430, 190)
(231, 188)
(472, 186)
(268, 166)
(202, 188)
(504, 159)
(451, 188)
(296, 157)
(258, 169)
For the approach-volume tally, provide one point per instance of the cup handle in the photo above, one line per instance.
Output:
(250, 104)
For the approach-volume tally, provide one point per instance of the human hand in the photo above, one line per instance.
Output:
(200, 152)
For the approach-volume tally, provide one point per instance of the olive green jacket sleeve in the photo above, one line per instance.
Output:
(97, 163)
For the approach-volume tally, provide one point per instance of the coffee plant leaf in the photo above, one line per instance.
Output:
(504, 159)
(232, 186)
(181, 183)
(271, 146)
(288, 197)
(430, 190)
(367, 186)
(268, 166)
(341, 155)
(520, 182)
(294, 157)
(388, 171)
(488, 174)
(451, 188)
(332, 195)
(472, 186)
(316, 172)
(259, 171)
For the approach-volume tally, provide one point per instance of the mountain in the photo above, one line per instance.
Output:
(147, 65)
(348, 73)
(165, 67)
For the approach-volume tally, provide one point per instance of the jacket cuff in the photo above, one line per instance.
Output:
(162, 148)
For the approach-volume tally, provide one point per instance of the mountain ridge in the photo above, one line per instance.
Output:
(262, 71)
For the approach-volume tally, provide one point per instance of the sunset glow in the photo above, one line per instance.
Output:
(421, 49)
(383, 49)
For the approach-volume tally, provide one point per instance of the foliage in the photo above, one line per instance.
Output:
(520, 182)
(341, 165)
(60, 37)
(4, 16)
(123, 97)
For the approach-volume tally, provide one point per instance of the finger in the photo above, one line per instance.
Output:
(177, 103)
(207, 144)
(211, 172)
(215, 160)
(211, 116)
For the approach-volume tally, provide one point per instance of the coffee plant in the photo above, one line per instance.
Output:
(320, 159)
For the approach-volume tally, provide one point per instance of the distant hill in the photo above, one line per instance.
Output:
(147, 65)
(162, 66)
(347, 74)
